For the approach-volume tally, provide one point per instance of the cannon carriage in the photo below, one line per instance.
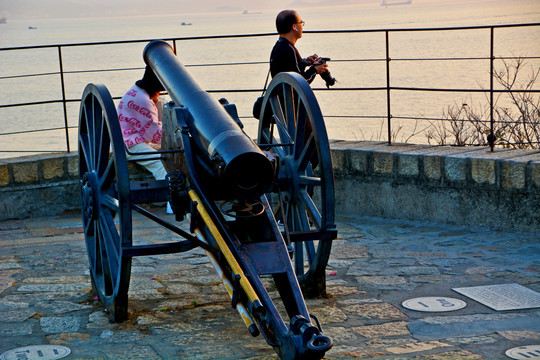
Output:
(258, 209)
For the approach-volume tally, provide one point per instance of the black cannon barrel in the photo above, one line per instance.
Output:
(242, 164)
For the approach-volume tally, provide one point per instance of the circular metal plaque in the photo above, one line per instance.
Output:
(34, 352)
(524, 352)
(434, 304)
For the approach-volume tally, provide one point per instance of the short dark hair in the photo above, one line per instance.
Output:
(285, 20)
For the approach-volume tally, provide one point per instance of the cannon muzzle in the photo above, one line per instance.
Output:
(235, 159)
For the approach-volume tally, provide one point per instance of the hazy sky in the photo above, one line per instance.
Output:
(89, 8)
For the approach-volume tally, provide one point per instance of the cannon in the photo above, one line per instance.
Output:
(261, 209)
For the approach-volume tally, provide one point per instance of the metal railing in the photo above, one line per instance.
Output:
(387, 60)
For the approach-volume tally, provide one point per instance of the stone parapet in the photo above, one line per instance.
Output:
(458, 185)
(43, 185)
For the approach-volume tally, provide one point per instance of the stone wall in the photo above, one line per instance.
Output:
(458, 185)
(464, 186)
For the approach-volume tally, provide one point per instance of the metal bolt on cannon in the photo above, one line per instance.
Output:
(262, 208)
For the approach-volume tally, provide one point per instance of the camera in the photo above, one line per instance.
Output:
(327, 77)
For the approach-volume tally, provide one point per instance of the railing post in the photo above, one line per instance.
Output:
(63, 95)
(491, 138)
(389, 114)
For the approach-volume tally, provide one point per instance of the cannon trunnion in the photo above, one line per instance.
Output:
(251, 206)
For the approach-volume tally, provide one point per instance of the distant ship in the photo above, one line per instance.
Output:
(246, 12)
(3, 20)
(395, 2)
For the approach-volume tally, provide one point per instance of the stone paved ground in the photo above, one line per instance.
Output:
(179, 310)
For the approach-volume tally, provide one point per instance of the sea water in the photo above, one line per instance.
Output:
(349, 115)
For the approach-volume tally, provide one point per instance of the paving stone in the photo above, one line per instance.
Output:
(131, 352)
(438, 327)
(53, 288)
(347, 352)
(16, 315)
(482, 270)
(182, 289)
(11, 305)
(416, 347)
(473, 340)
(144, 284)
(376, 311)
(340, 291)
(61, 307)
(7, 279)
(144, 294)
(58, 324)
(330, 314)
(453, 355)
(67, 339)
(15, 329)
(100, 320)
(519, 335)
(387, 342)
(386, 282)
(9, 266)
(417, 270)
(121, 336)
(394, 328)
(198, 260)
(339, 264)
(349, 302)
(341, 335)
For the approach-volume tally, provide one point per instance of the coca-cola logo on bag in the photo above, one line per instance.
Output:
(157, 137)
(141, 110)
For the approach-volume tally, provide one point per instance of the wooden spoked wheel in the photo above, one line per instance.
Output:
(105, 198)
(292, 127)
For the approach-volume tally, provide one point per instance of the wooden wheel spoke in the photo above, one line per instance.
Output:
(97, 254)
(97, 120)
(289, 107)
(108, 176)
(110, 202)
(102, 149)
(306, 153)
(85, 152)
(284, 135)
(312, 209)
(88, 114)
(111, 241)
(310, 251)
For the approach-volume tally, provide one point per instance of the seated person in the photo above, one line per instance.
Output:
(140, 122)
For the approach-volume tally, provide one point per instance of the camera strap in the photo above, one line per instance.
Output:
(266, 82)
